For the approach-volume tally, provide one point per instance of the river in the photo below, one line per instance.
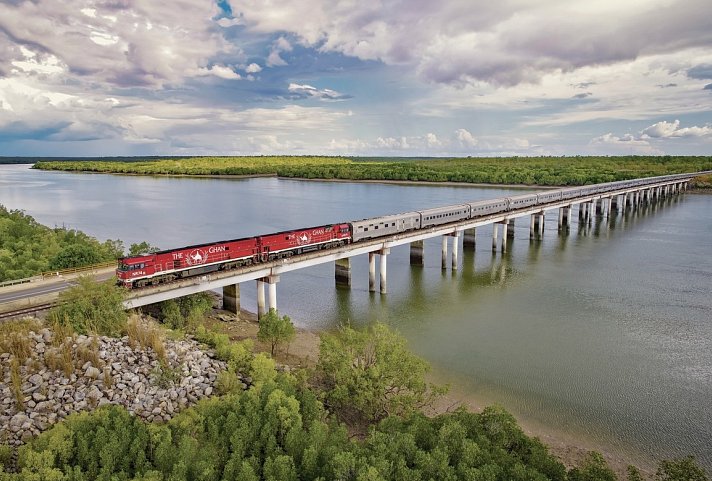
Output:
(604, 333)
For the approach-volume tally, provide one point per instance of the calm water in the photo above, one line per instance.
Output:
(605, 332)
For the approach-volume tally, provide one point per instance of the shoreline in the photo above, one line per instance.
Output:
(569, 447)
(479, 185)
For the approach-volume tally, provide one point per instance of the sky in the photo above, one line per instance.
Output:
(355, 77)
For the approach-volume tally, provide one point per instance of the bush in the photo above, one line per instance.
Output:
(275, 330)
(91, 306)
(187, 311)
(373, 373)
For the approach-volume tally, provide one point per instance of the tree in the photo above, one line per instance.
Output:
(275, 330)
(142, 248)
(91, 306)
(75, 255)
(593, 468)
(685, 469)
(373, 373)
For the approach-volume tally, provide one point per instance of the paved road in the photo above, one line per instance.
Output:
(45, 287)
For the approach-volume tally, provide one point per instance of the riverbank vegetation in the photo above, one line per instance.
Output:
(28, 248)
(548, 171)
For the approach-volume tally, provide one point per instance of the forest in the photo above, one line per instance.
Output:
(544, 171)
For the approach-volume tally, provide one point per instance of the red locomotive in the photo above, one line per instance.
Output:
(169, 265)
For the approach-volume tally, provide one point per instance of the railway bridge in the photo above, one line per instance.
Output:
(453, 236)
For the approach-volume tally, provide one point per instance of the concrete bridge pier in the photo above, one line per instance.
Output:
(469, 238)
(261, 310)
(455, 249)
(564, 217)
(591, 210)
(510, 228)
(505, 235)
(615, 201)
(342, 272)
(272, 298)
(231, 298)
(384, 256)
(416, 253)
(532, 226)
(494, 237)
(599, 207)
(443, 262)
(542, 222)
(371, 272)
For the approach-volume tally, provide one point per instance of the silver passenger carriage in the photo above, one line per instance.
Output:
(444, 215)
(548, 196)
(487, 207)
(383, 226)
(521, 201)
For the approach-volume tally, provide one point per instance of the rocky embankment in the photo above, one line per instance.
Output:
(85, 372)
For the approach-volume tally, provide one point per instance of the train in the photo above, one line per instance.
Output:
(170, 265)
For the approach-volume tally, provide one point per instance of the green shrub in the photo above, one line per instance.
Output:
(91, 307)
(373, 373)
(275, 330)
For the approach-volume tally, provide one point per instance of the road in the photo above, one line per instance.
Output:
(46, 290)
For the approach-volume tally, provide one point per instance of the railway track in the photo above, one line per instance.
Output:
(25, 310)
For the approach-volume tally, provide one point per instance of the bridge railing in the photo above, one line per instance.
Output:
(77, 270)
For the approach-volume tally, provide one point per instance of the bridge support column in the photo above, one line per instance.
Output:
(272, 282)
(613, 204)
(564, 217)
(494, 237)
(505, 235)
(591, 207)
(443, 262)
(416, 253)
(510, 228)
(231, 298)
(371, 272)
(599, 207)
(469, 238)
(532, 225)
(342, 272)
(455, 250)
(384, 257)
(260, 298)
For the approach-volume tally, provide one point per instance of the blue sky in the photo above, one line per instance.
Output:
(345, 77)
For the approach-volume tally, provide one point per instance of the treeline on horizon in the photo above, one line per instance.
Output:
(545, 171)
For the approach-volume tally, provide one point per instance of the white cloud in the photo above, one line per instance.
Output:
(662, 130)
(309, 91)
(253, 68)
(275, 59)
(465, 138)
(220, 71)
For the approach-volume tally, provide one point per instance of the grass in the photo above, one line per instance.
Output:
(16, 384)
(143, 334)
(90, 353)
(15, 339)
